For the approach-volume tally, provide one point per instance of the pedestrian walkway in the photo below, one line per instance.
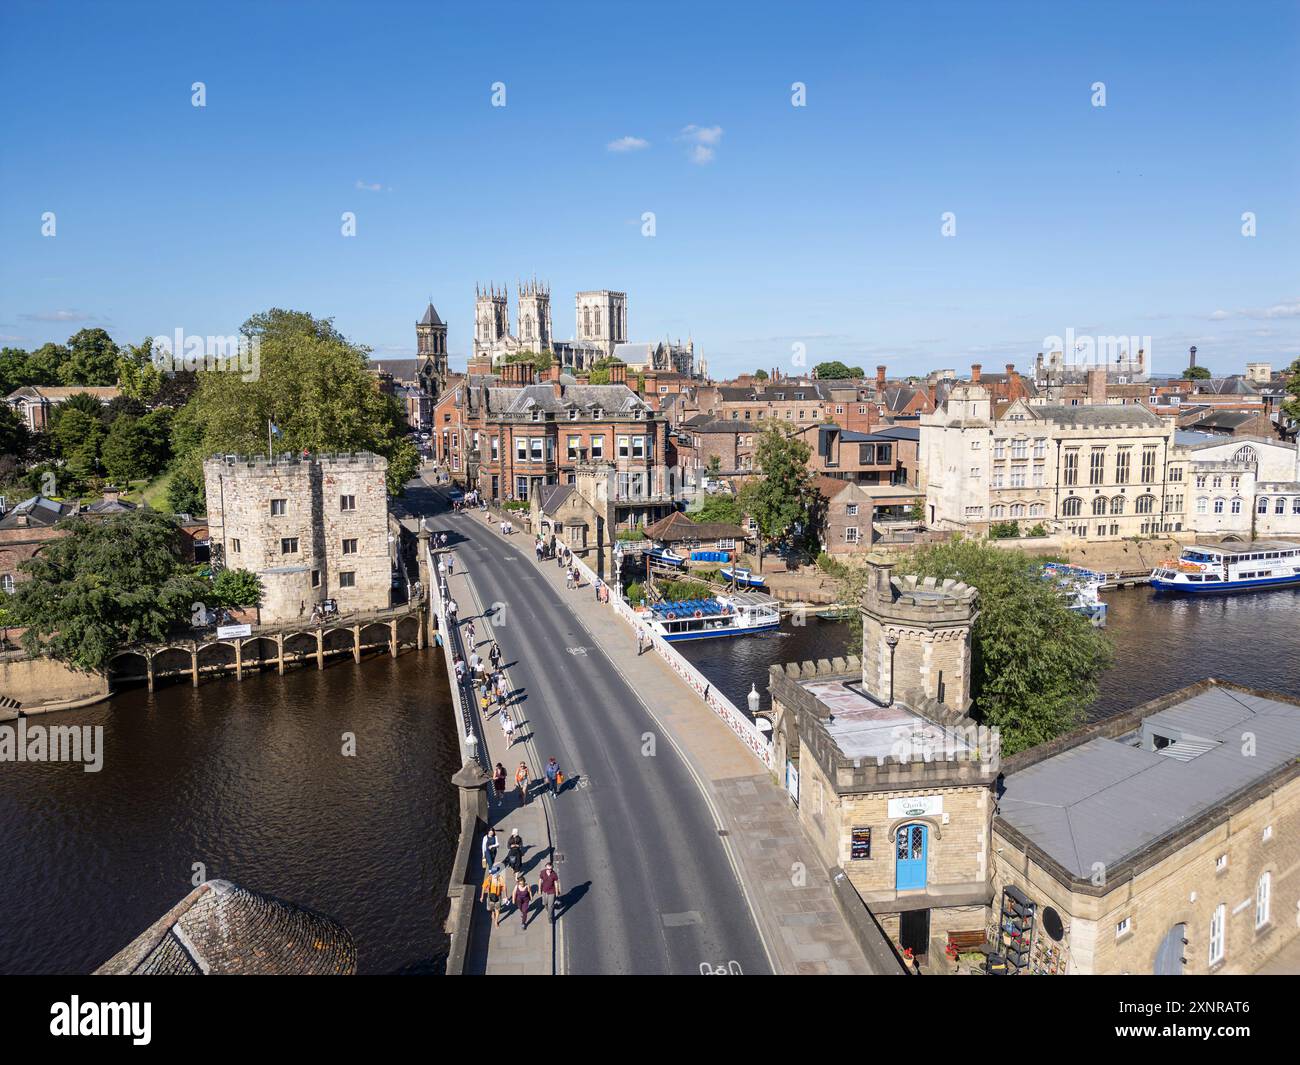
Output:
(785, 881)
(509, 949)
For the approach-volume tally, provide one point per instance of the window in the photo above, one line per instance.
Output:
(7, 582)
(1037, 510)
(1020, 448)
(574, 443)
(1017, 477)
(1099, 505)
(851, 535)
(974, 472)
(1072, 467)
(1145, 504)
(347, 578)
(624, 446)
(315, 578)
(1263, 893)
(347, 503)
(1280, 506)
(1216, 935)
(1200, 480)
(1148, 465)
(997, 511)
(1124, 927)
(521, 449)
(1217, 482)
(1262, 506)
(638, 447)
(1220, 863)
(536, 443)
(521, 487)
(1295, 505)
(1122, 465)
(234, 546)
(1017, 510)
(851, 510)
(1202, 505)
(1176, 474)
(279, 507)
(349, 547)
(598, 447)
(1040, 474)
(289, 545)
(974, 512)
(1236, 506)
(1040, 449)
(1097, 466)
(1117, 505)
(1072, 507)
(726, 545)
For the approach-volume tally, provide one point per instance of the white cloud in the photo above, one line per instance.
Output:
(702, 134)
(627, 144)
(366, 186)
(58, 316)
(700, 153)
(1285, 309)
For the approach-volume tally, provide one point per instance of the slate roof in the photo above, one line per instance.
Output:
(1105, 799)
(552, 497)
(431, 317)
(401, 369)
(38, 510)
(900, 432)
(221, 929)
(1089, 415)
(1228, 419)
(614, 399)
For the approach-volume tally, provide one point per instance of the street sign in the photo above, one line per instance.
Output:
(226, 632)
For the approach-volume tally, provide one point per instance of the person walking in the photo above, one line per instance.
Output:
(490, 848)
(523, 782)
(442, 539)
(515, 851)
(451, 564)
(495, 656)
(499, 782)
(550, 889)
(503, 688)
(523, 899)
(469, 631)
(552, 774)
(508, 728)
(598, 585)
(495, 892)
(451, 610)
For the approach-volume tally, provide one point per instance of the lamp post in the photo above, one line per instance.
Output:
(754, 700)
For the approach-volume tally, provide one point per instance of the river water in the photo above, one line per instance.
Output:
(248, 778)
(1161, 643)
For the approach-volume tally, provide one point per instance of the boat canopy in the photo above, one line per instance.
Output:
(688, 607)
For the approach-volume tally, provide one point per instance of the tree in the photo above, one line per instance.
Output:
(832, 371)
(45, 365)
(237, 587)
(77, 438)
(760, 375)
(138, 376)
(1196, 373)
(1034, 664)
(599, 374)
(185, 493)
(126, 455)
(80, 401)
(715, 465)
(316, 387)
(541, 360)
(725, 508)
(781, 501)
(108, 584)
(1291, 408)
(14, 437)
(92, 359)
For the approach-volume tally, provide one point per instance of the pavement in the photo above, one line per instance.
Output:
(677, 848)
(648, 884)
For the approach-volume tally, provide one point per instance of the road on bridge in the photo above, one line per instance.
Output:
(651, 886)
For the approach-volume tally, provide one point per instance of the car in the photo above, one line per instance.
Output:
(455, 495)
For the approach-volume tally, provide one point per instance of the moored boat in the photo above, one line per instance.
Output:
(1081, 588)
(1227, 567)
(742, 577)
(664, 556)
(703, 619)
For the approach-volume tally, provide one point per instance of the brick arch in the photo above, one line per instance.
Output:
(929, 821)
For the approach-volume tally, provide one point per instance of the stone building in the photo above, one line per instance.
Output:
(892, 779)
(601, 318)
(1243, 489)
(314, 529)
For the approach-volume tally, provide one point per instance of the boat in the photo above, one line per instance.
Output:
(1234, 567)
(836, 614)
(664, 556)
(742, 577)
(1081, 588)
(705, 619)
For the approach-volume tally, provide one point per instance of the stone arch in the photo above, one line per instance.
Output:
(931, 822)
(118, 666)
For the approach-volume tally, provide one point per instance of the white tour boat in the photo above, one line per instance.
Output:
(705, 619)
(1230, 567)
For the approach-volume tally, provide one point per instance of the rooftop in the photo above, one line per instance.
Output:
(863, 728)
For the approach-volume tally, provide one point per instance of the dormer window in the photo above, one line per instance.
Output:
(537, 415)
(573, 414)
(595, 412)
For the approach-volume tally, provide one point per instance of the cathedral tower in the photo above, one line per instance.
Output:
(491, 319)
(535, 316)
(602, 318)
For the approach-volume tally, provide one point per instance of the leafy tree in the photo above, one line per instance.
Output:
(137, 374)
(185, 493)
(1004, 530)
(715, 465)
(125, 454)
(77, 438)
(1035, 664)
(122, 404)
(237, 587)
(725, 508)
(14, 437)
(857, 371)
(15, 370)
(157, 429)
(1196, 373)
(760, 375)
(83, 402)
(45, 365)
(1291, 408)
(315, 385)
(108, 584)
(833, 371)
(783, 498)
(92, 359)
(541, 360)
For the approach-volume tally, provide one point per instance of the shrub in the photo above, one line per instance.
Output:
(1004, 530)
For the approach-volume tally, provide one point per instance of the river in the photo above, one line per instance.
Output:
(248, 778)
(1161, 643)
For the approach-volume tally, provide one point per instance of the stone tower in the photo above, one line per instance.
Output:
(602, 318)
(916, 641)
(491, 319)
(535, 316)
(431, 348)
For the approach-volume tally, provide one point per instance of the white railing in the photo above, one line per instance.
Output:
(747, 732)
(472, 740)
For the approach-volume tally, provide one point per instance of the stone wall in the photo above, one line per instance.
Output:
(46, 684)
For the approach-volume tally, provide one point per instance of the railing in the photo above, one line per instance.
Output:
(473, 742)
(742, 726)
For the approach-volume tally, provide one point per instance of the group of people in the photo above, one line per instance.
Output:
(507, 528)
(544, 549)
(470, 499)
(493, 890)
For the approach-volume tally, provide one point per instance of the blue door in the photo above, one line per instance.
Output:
(910, 857)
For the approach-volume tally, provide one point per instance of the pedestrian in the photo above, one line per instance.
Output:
(550, 889)
(508, 727)
(495, 655)
(552, 772)
(523, 899)
(503, 688)
(442, 539)
(522, 782)
(515, 851)
(460, 670)
(496, 889)
(490, 848)
(485, 704)
(598, 586)
(499, 782)
(452, 608)
(451, 564)
(640, 641)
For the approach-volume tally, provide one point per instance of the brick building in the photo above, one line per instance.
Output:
(314, 529)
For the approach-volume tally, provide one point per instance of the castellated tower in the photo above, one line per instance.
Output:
(916, 642)
(491, 317)
(535, 316)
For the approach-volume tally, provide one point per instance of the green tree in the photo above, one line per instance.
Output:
(83, 402)
(760, 375)
(1034, 664)
(1291, 408)
(783, 499)
(315, 385)
(720, 507)
(14, 437)
(77, 438)
(15, 370)
(92, 359)
(45, 365)
(108, 584)
(541, 360)
(715, 465)
(185, 493)
(237, 587)
(1196, 373)
(832, 371)
(125, 455)
(138, 376)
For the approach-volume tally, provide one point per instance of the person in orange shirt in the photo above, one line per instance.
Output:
(522, 782)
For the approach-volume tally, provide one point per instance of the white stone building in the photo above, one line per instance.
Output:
(313, 529)
(1244, 488)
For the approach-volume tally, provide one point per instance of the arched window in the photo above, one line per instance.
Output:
(586, 321)
(1280, 507)
(1145, 504)
(1295, 505)
(1099, 505)
(997, 511)
(1218, 506)
(1202, 505)
(1245, 456)
(1263, 899)
(1072, 507)
(1037, 510)
(1262, 506)
(1018, 509)
(1117, 505)
(1218, 483)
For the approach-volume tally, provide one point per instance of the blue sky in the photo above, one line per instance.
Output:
(775, 225)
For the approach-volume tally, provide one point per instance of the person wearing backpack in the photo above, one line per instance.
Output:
(495, 893)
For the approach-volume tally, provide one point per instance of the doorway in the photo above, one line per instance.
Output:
(910, 851)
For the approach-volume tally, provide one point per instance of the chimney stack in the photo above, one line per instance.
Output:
(1097, 385)
(975, 373)
(618, 373)
(880, 378)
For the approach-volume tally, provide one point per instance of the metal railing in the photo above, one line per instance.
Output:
(472, 740)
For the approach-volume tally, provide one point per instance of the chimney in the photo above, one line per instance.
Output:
(975, 373)
(618, 373)
(652, 382)
(111, 493)
(554, 372)
(932, 390)
(1142, 361)
(880, 378)
(1097, 385)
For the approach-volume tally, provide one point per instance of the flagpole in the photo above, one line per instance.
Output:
(270, 455)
